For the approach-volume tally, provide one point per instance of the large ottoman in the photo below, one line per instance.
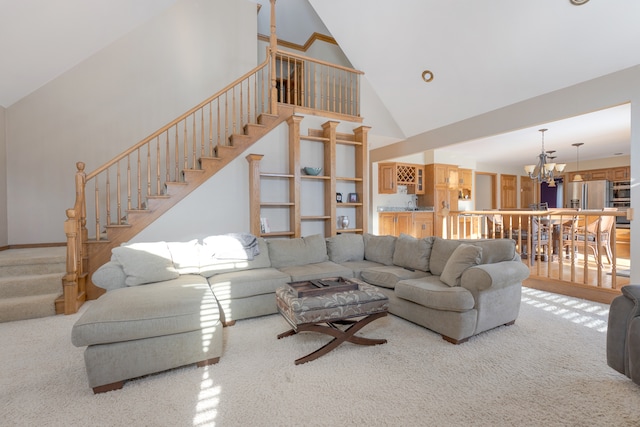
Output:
(135, 331)
(324, 313)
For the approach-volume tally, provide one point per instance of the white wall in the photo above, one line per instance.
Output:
(221, 205)
(114, 99)
(4, 226)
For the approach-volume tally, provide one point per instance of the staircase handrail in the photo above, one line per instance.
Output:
(177, 120)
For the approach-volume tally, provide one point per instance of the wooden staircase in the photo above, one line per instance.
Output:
(98, 251)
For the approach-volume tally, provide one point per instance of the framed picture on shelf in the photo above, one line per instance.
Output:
(339, 197)
(353, 198)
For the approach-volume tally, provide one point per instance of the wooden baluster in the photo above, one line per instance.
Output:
(158, 160)
(226, 118)
(139, 177)
(148, 167)
(194, 142)
(176, 171)
(118, 195)
(241, 109)
(233, 113)
(273, 49)
(128, 182)
(202, 132)
(184, 144)
(97, 206)
(210, 150)
(167, 162)
(218, 124)
(108, 198)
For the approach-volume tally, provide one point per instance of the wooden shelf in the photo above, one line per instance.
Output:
(323, 198)
(321, 177)
(275, 175)
(276, 204)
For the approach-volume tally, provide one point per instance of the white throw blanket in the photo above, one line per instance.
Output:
(242, 246)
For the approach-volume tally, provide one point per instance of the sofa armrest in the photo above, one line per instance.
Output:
(497, 275)
(633, 293)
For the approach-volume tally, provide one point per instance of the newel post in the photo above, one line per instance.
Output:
(70, 279)
(273, 48)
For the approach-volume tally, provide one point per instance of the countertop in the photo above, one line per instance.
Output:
(405, 209)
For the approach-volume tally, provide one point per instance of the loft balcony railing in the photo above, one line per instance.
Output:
(571, 247)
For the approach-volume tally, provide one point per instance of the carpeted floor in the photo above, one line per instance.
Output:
(548, 369)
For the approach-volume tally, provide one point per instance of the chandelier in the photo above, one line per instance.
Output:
(544, 170)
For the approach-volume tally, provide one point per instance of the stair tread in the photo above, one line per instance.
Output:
(28, 256)
(28, 307)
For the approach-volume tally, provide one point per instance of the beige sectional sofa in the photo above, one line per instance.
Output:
(166, 303)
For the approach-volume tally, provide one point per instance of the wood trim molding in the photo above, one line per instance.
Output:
(32, 245)
(313, 38)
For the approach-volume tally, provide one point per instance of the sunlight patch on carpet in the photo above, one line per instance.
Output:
(589, 314)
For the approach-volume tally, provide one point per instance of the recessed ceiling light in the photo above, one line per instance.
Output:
(427, 76)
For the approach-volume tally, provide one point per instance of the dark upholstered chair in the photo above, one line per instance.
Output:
(623, 333)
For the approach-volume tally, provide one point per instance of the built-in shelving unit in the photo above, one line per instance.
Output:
(321, 189)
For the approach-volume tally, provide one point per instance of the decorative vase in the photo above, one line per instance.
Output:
(343, 221)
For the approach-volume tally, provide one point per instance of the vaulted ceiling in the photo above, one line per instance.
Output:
(483, 54)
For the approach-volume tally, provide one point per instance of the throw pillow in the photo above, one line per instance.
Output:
(145, 263)
(345, 247)
(379, 248)
(412, 253)
(185, 256)
(463, 257)
(440, 254)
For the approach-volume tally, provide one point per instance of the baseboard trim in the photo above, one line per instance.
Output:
(32, 245)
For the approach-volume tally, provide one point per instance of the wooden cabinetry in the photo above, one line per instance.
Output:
(508, 191)
(422, 224)
(620, 174)
(612, 174)
(416, 224)
(465, 183)
(290, 207)
(441, 192)
(390, 175)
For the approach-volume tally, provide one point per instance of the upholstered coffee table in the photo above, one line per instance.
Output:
(324, 313)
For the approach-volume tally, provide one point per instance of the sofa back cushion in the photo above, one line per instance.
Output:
(145, 262)
(345, 247)
(493, 250)
(300, 251)
(379, 248)
(210, 265)
(412, 253)
(185, 256)
(109, 276)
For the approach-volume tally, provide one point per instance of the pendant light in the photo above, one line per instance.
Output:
(577, 177)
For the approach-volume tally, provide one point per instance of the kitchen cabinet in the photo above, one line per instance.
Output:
(391, 175)
(395, 223)
(465, 183)
(620, 174)
(508, 191)
(441, 191)
(422, 224)
(387, 177)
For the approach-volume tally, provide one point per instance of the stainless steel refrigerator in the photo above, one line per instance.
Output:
(589, 194)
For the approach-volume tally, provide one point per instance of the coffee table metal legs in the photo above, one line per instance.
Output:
(339, 335)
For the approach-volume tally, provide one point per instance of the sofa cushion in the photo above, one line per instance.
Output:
(359, 266)
(389, 275)
(172, 307)
(463, 257)
(209, 265)
(345, 247)
(109, 276)
(440, 253)
(496, 250)
(247, 283)
(379, 248)
(185, 256)
(319, 270)
(300, 251)
(412, 253)
(145, 262)
(431, 292)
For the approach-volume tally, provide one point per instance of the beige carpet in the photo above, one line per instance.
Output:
(548, 369)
